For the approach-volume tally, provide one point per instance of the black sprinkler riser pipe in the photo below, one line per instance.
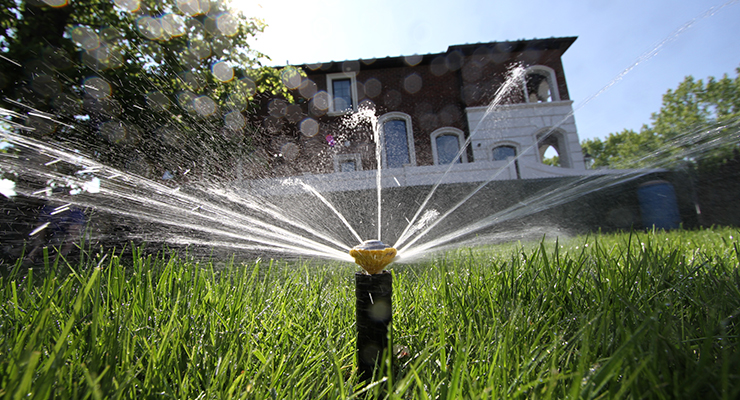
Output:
(374, 314)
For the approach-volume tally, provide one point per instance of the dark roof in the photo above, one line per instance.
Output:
(518, 46)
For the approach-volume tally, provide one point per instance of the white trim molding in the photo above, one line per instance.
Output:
(330, 78)
(549, 74)
(452, 132)
(395, 115)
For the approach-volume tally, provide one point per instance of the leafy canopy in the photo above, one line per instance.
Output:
(690, 116)
(125, 79)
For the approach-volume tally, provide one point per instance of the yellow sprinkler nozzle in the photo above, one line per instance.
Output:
(373, 255)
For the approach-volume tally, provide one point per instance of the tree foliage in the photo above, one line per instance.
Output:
(690, 116)
(134, 80)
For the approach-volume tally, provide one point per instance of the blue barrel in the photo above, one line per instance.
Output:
(658, 205)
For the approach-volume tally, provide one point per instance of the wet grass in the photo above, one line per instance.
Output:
(642, 315)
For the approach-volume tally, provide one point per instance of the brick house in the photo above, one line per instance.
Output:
(428, 107)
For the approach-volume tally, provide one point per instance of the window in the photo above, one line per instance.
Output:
(501, 153)
(397, 140)
(347, 162)
(505, 152)
(552, 148)
(540, 84)
(342, 88)
(446, 144)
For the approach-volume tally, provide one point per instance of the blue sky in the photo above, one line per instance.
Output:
(612, 36)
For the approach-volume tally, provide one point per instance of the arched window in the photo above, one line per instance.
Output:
(446, 144)
(552, 149)
(397, 140)
(540, 84)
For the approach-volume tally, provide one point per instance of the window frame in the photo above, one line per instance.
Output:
(330, 78)
(395, 115)
(551, 78)
(448, 131)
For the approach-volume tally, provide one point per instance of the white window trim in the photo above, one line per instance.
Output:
(339, 158)
(551, 80)
(330, 89)
(515, 145)
(448, 131)
(562, 138)
(409, 135)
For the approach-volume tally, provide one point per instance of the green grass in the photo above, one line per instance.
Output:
(646, 315)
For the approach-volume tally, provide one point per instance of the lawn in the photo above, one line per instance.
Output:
(640, 315)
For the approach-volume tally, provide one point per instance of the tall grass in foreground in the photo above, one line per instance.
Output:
(648, 315)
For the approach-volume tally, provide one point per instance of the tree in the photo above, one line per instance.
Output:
(133, 81)
(694, 125)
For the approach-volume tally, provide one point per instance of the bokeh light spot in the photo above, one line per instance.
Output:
(373, 87)
(173, 24)
(227, 24)
(277, 108)
(235, 120)
(56, 3)
(185, 99)
(150, 27)
(412, 83)
(194, 7)
(85, 37)
(307, 88)
(97, 88)
(290, 77)
(438, 66)
(204, 106)
(309, 127)
(321, 100)
(199, 48)
(222, 71)
(128, 5)
(289, 151)
(412, 60)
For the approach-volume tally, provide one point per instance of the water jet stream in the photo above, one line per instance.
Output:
(515, 77)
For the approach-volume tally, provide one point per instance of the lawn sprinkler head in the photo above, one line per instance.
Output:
(373, 255)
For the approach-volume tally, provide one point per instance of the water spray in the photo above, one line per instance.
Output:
(374, 310)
